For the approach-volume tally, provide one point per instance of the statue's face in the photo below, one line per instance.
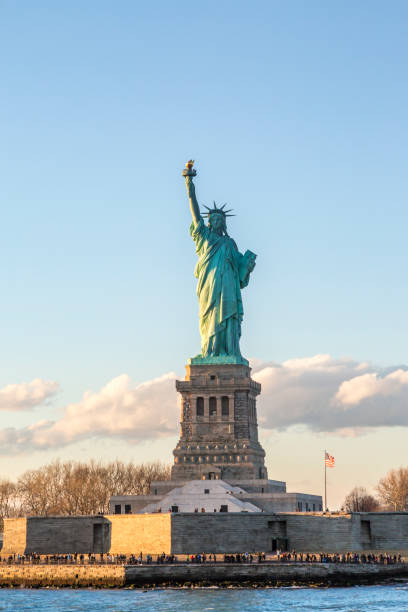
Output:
(217, 223)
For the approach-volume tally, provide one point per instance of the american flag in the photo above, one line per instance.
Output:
(329, 460)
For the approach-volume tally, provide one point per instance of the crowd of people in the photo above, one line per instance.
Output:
(143, 559)
(68, 559)
(245, 558)
(382, 559)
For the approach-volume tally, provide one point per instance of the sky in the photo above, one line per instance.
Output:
(296, 116)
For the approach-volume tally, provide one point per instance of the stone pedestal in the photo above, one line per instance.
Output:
(219, 429)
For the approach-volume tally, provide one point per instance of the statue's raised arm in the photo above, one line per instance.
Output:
(188, 174)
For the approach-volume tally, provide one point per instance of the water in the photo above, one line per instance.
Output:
(354, 599)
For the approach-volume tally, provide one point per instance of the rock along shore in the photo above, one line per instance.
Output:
(196, 575)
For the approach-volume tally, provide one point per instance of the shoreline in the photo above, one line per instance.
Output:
(185, 576)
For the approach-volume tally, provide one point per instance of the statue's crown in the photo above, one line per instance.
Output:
(216, 210)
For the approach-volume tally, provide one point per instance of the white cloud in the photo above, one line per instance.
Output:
(354, 391)
(325, 394)
(24, 396)
(322, 393)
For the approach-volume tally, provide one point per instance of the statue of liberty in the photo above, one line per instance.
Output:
(222, 272)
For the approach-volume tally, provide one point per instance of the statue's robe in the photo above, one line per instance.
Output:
(218, 290)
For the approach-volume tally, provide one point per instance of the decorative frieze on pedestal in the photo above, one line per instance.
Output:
(219, 429)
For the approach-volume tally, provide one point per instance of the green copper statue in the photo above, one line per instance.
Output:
(222, 272)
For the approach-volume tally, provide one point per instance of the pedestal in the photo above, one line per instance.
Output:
(219, 429)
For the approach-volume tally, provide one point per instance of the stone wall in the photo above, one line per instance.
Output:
(190, 574)
(15, 535)
(191, 533)
(118, 534)
(233, 533)
(304, 532)
(260, 485)
(218, 533)
(136, 502)
(319, 533)
(62, 576)
(56, 534)
(147, 533)
(263, 574)
(285, 502)
(387, 530)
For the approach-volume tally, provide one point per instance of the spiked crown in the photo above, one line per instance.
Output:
(216, 210)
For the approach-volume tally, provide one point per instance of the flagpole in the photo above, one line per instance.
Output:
(325, 482)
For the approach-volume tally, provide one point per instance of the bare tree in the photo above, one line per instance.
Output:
(359, 500)
(42, 491)
(74, 487)
(9, 501)
(131, 479)
(393, 489)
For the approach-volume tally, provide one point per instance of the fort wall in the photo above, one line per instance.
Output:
(15, 536)
(192, 533)
(147, 533)
(56, 534)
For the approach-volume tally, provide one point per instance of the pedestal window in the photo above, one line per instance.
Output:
(213, 406)
(200, 406)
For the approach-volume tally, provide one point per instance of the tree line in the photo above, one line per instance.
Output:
(392, 495)
(75, 487)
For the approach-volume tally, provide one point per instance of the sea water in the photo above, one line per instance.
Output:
(352, 599)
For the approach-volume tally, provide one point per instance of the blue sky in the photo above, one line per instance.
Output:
(296, 115)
